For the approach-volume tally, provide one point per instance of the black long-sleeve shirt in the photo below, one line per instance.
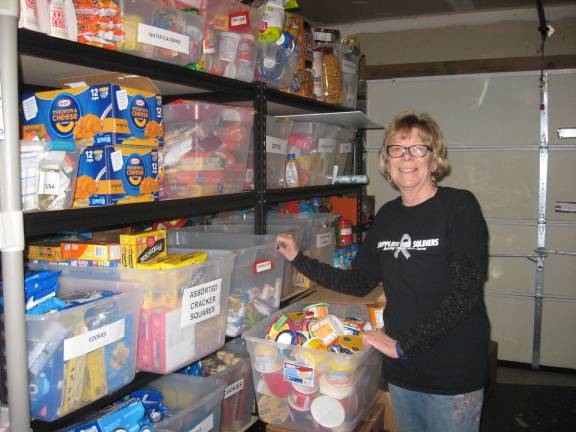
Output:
(432, 259)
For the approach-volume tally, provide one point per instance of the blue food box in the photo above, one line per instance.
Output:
(98, 109)
(117, 174)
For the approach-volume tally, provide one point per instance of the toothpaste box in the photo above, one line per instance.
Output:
(117, 174)
(105, 109)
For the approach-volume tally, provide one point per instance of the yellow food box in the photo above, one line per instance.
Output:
(43, 252)
(176, 261)
(138, 249)
(96, 251)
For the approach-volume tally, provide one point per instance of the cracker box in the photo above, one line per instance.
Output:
(117, 174)
(140, 248)
(98, 251)
(109, 108)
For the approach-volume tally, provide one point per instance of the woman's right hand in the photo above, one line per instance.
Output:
(286, 246)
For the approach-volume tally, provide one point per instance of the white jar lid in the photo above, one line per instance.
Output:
(327, 412)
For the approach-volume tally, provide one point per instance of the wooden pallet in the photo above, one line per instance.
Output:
(374, 421)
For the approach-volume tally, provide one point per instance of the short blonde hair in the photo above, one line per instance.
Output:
(429, 132)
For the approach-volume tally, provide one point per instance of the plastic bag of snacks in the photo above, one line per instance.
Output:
(311, 369)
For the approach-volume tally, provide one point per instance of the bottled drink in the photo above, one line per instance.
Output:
(292, 178)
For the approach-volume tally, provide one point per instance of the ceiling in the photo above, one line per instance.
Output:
(333, 12)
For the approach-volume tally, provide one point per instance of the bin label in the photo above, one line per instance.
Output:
(300, 374)
(326, 145)
(92, 340)
(205, 425)
(324, 239)
(276, 145)
(200, 302)
(234, 388)
(167, 39)
(261, 266)
(345, 148)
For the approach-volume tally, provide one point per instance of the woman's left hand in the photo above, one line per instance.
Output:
(382, 342)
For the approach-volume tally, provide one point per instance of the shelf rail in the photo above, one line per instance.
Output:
(12, 222)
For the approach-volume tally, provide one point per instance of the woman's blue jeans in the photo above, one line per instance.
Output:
(423, 412)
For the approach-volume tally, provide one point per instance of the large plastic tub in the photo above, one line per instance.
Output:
(275, 65)
(183, 317)
(81, 354)
(161, 33)
(314, 149)
(205, 149)
(48, 174)
(304, 389)
(277, 131)
(344, 152)
(318, 240)
(257, 276)
(230, 39)
(295, 230)
(231, 364)
(194, 403)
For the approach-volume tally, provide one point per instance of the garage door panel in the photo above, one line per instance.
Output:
(561, 96)
(510, 276)
(561, 181)
(560, 270)
(511, 239)
(558, 341)
(512, 321)
(505, 184)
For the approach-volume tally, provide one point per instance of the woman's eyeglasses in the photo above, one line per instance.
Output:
(418, 150)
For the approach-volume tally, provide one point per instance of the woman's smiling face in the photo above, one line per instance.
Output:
(410, 173)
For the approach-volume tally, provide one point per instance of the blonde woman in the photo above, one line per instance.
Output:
(429, 249)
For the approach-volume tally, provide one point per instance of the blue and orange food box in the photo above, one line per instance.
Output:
(102, 109)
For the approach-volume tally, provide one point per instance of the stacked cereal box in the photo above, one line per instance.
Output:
(311, 370)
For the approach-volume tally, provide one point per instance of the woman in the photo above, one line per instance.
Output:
(429, 249)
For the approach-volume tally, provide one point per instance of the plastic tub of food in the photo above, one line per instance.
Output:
(205, 149)
(183, 316)
(275, 65)
(48, 172)
(194, 403)
(344, 152)
(277, 131)
(158, 32)
(82, 353)
(300, 388)
(257, 275)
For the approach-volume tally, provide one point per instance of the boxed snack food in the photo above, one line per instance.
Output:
(257, 276)
(82, 353)
(311, 371)
(48, 174)
(206, 147)
(117, 174)
(106, 108)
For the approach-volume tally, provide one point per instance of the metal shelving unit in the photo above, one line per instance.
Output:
(35, 61)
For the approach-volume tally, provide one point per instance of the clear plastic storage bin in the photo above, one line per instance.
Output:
(205, 149)
(306, 389)
(48, 172)
(344, 152)
(83, 353)
(231, 364)
(183, 317)
(275, 65)
(194, 403)
(230, 39)
(277, 131)
(314, 149)
(257, 276)
(158, 32)
(295, 230)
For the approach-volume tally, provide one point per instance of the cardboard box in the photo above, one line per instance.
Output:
(108, 108)
(44, 252)
(117, 174)
(94, 251)
(140, 248)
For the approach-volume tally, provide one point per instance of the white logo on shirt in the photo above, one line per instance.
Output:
(406, 244)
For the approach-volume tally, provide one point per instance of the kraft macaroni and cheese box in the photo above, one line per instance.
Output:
(117, 174)
(101, 109)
